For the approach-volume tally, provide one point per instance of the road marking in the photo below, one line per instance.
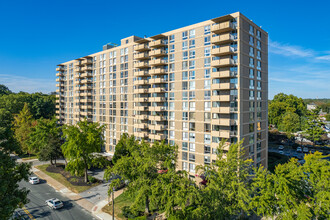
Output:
(28, 213)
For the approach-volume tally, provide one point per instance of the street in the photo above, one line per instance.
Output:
(37, 209)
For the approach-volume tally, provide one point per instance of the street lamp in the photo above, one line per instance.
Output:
(113, 203)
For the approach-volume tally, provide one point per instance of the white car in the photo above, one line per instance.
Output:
(34, 180)
(305, 149)
(299, 149)
(281, 147)
(54, 203)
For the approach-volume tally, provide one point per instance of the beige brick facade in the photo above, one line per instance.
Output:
(192, 86)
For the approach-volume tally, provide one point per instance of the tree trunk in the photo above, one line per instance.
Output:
(147, 205)
(86, 174)
(51, 161)
(55, 161)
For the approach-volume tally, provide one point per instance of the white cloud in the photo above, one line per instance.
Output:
(289, 50)
(325, 57)
(25, 84)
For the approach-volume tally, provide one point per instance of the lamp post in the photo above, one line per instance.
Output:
(113, 203)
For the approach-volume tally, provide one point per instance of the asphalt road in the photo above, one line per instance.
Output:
(37, 208)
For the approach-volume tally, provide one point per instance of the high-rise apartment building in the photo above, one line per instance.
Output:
(192, 86)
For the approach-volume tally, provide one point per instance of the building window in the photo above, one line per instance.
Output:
(191, 44)
(184, 75)
(171, 77)
(191, 64)
(192, 147)
(207, 139)
(191, 54)
(191, 75)
(184, 35)
(207, 29)
(191, 157)
(207, 40)
(207, 51)
(207, 62)
(192, 167)
(184, 45)
(172, 48)
(184, 156)
(251, 73)
(172, 38)
(184, 146)
(171, 57)
(185, 136)
(185, 166)
(207, 73)
(192, 33)
(185, 55)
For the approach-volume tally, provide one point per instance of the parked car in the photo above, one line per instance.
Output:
(295, 154)
(305, 149)
(281, 152)
(281, 147)
(312, 151)
(34, 180)
(299, 149)
(54, 203)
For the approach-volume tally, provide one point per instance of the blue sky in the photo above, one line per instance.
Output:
(37, 35)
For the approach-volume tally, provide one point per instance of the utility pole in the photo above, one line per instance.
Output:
(113, 203)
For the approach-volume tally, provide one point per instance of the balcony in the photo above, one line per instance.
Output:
(141, 108)
(86, 74)
(221, 98)
(144, 64)
(223, 27)
(223, 39)
(158, 62)
(157, 99)
(141, 117)
(157, 137)
(158, 108)
(85, 68)
(157, 127)
(225, 62)
(158, 71)
(59, 74)
(141, 56)
(60, 79)
(158, 90)
(141, 99)
(158, 43)
(157, 118)
(221, 121)
(224, 74)
(141, 126)
(141, 73)
(141, 91)
(141, 47)
(78, 70)
(224, 110)
(86, 61)
(141, 82)
(158, 53)
(158, 80)
(60, 68)
(222, 51)
(221, 86)
(141, 134)
(86, 81)
(221, 134)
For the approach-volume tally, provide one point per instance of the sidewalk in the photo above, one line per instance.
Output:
(94, 208)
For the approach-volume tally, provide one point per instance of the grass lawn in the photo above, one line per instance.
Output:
(28, 157)
(60, 178)
(274, 159)
(121, 201)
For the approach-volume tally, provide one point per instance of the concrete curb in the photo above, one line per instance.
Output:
(87, 205)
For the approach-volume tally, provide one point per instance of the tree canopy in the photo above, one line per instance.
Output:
(81, 141)
(282, 104)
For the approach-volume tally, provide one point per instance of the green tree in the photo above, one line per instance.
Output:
(281, 104)
(290, 123)
(151, 172)
(227, 193)
(4, 90)
(294, 191)
(11, 173)
(22, 124)
(122, 147)
(45, 140)
(314, 125)
(327, 117)
(81, 141)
